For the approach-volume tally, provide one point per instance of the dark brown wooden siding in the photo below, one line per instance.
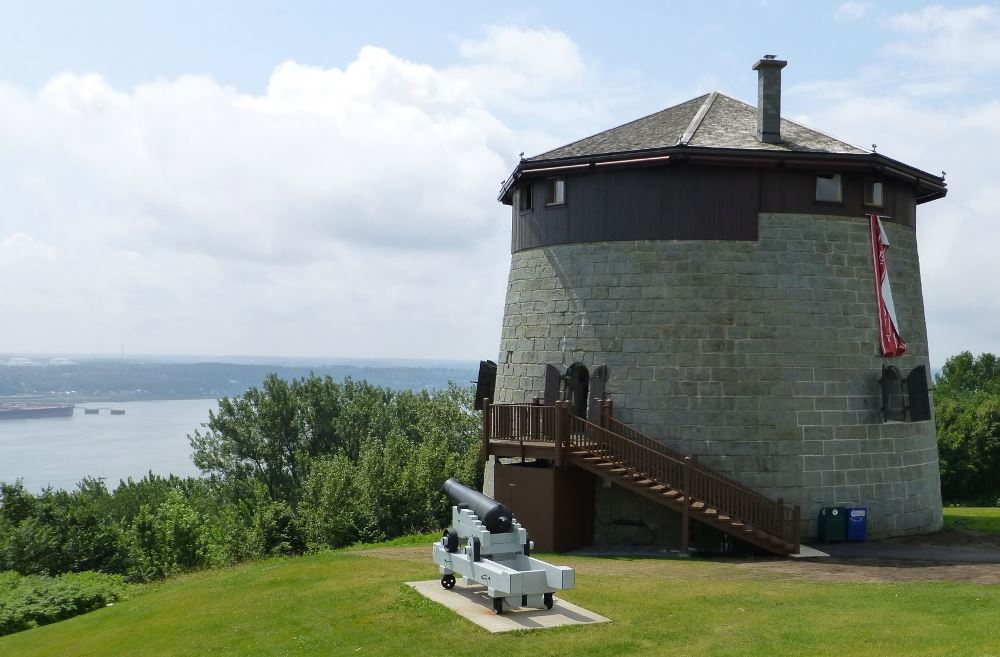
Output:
(684, 201)
(794, 191)
(676, 202)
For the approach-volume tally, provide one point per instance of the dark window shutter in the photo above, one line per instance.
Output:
(597, 379)
(892, 392)
(916, 388)
(486, 384)
(553, 381)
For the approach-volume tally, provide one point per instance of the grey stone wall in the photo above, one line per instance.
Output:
(760, 357)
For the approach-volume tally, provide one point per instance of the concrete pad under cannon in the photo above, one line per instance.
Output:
(472, 603)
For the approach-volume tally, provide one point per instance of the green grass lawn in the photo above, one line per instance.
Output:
(354, 602)
(980, 519)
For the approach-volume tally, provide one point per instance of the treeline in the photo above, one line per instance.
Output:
(289, 468)
(92, 380)
(967, 410)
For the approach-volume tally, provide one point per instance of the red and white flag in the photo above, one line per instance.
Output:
(888, 331)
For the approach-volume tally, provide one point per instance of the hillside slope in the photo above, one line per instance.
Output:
(354, 602)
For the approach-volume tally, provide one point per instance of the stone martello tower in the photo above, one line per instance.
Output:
(709, 268)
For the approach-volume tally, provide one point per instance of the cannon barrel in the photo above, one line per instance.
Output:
(495, 516)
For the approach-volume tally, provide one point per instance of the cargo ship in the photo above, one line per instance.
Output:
(24, 410)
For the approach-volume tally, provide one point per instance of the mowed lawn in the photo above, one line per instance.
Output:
(354, 602)
(980, 519)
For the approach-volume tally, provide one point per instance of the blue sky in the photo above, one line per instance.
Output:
(269, 178)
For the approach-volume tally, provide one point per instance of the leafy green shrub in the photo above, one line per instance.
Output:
(290, 467)
(27, 602)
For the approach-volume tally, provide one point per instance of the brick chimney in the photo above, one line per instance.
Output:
(769, 99)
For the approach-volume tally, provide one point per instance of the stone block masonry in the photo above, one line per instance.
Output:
(762, 358)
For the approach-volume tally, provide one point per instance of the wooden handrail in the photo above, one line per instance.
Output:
(642, 455)
(627, 430)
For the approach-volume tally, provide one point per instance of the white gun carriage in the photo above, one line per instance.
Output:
(487, 545)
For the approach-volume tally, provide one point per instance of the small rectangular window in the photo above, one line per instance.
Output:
(874, 193)
(555, 191)
(828, 187)
(524, 198)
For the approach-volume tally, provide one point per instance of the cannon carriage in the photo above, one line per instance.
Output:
(486, 545)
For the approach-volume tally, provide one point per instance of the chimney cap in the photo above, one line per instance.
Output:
(770, 61)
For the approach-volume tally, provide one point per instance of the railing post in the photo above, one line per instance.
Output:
(607, 412)
(560, 429)
(486, 426)
(535, 414)
(779, 522)
(686, 513)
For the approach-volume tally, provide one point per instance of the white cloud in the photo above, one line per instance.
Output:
(851, 10)
(548, 56)
(344, 211)
(963, 38)
(537, 73)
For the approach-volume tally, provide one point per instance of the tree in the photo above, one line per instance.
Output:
(256, 436)
(967, 409)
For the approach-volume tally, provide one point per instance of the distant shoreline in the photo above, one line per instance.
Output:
(96, 399)
(128, 380)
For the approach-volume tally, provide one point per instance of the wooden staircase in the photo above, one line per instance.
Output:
(618, 452)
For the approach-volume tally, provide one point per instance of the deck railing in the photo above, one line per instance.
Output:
(640, 456)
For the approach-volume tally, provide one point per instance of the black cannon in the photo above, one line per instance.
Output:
(495, 516)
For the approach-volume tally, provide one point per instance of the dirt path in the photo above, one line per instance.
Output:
(818, 570)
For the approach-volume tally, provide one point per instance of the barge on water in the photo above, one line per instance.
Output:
(25, 410)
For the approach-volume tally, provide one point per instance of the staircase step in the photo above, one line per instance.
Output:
(596, 455)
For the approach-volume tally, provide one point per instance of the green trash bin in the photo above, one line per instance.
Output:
(832, 526)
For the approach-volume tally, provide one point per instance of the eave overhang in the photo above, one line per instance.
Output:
(928, 187)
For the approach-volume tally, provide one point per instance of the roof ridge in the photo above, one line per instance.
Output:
(641, 118)
(697, 119)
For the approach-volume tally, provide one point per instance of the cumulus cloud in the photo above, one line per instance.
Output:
(954, 37)
(344, 211)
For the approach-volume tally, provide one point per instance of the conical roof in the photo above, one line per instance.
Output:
(713, 120)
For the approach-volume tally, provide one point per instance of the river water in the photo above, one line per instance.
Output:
(151, 436)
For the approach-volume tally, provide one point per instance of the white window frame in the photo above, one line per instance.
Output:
(833, 177)
(557, 185)
(870, 184)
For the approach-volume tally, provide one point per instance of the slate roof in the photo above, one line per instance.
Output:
(714, 120)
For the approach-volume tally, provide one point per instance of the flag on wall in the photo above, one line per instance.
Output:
(888, 331)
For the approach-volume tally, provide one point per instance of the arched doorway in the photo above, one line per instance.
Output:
(577, 388)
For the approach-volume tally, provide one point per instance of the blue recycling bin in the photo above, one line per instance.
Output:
(857, 524)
